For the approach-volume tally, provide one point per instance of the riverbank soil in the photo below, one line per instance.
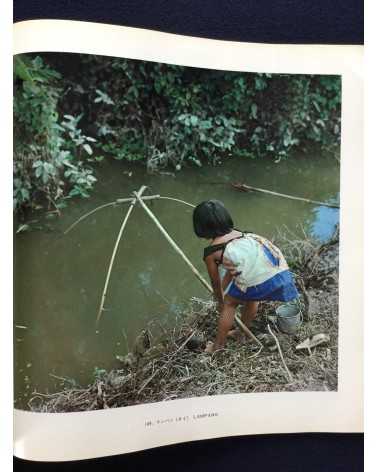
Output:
(173, 364)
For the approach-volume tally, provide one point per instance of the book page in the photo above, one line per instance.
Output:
(113, 311)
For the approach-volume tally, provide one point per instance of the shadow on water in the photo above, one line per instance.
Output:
(59, 279)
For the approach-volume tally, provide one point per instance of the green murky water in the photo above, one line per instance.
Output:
(59, 279)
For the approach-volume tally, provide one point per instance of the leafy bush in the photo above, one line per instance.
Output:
(46, 150)
(158, 114)
(168, 115)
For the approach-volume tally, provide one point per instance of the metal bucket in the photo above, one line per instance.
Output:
(289, 316)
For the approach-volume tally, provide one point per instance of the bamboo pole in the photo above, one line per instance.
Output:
(248, 188)
(116, 202)
(119, 201)
(191, 266)
(247, 331)
(88, 214)
(173, 243)
(177, 200)
(138, 195)
(130, 199)
(281, 355)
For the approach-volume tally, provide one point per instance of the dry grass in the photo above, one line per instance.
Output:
(176, 366)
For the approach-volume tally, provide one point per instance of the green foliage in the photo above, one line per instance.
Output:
(157, 114)
(204, 136)
(169, 115)
(47, 150)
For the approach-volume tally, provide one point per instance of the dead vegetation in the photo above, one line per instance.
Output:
(176, 366)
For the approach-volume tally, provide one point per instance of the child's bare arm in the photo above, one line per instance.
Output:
(212, 269)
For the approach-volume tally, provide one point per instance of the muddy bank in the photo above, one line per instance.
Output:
(172, 365)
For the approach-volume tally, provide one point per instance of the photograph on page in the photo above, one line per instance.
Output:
(142, 187)
(187, 239)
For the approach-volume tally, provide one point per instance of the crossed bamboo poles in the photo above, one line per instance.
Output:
(138, 197)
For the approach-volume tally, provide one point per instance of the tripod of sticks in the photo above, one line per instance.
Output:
(139, 198)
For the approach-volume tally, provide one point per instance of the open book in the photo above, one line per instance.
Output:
(120, 134)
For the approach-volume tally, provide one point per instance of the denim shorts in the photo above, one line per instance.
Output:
(280, 287)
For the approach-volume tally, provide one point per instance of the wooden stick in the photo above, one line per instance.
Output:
(155, 197)
(191, 266)
(130, 199)
(173, 243)
(86, 216)
(281, 355)
(120, 201)
(116, 202)
(248, 188)
(137, 194)
(247, 331)
(306, 314)
(177, 200)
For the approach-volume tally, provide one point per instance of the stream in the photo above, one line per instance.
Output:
(59, 279)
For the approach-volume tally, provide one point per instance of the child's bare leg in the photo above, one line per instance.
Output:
(226, 321)
(249, 312)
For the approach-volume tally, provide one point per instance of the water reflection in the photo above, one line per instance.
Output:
(324, 222)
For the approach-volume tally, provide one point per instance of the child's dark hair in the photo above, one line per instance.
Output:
(211, 219)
